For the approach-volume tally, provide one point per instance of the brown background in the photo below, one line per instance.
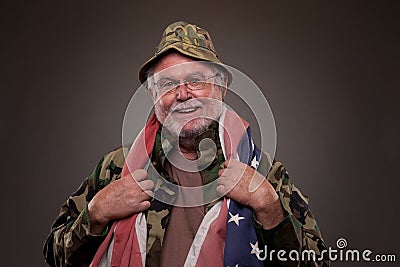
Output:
(328, 68)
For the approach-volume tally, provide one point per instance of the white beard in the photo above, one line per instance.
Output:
(181, 126)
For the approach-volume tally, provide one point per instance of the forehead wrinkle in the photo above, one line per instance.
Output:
(181, 70)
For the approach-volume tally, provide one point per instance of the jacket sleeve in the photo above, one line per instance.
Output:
(70, 242)
(298, 234)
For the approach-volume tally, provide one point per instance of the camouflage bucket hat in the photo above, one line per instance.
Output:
(189, 40)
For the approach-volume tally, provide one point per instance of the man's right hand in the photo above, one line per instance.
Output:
(121, 198)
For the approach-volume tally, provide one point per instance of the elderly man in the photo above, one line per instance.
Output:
(135, 210)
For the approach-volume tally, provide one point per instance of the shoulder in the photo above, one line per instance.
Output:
(116, 157)
(292, 199)
(110, 166)
(275, 173)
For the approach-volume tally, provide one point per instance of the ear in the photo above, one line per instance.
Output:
(224, 89)
(150, 92)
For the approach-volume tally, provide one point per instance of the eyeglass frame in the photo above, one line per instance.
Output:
(180, 82)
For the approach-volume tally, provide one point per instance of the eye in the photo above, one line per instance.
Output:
(195, 80)
(166, 84)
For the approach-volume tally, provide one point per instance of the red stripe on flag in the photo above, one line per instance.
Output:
(212, 249)
(126, 251)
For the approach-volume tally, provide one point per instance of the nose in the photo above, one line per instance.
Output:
(183, 92)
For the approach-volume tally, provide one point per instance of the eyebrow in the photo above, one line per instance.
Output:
(173, 78)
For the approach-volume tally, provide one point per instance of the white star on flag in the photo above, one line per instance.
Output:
(254, 163)
(235, 218)
(255, 249)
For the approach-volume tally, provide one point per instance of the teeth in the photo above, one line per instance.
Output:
(186, 110)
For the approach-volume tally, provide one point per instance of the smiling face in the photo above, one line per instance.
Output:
(185, 112)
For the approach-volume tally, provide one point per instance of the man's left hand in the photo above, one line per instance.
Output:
(248, 187)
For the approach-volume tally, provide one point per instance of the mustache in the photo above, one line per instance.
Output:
(192, 103)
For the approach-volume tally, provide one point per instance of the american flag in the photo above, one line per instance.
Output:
(226, 236)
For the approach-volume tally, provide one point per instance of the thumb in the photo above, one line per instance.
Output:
(139, 175)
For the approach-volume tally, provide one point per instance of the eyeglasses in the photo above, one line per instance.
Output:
(194, 82)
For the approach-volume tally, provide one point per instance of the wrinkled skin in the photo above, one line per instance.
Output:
(121, 198)
(247, 186)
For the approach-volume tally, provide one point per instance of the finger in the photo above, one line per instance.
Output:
(226, 163)
(221, 172)
(230, 163)
(221, 180)
(227, 182)
(145, 195)
(149, 193)
(220, 190)
(146, 185)
(223, 190)
(139, 175)
(145, 205)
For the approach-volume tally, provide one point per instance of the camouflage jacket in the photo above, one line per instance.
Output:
(71, 244)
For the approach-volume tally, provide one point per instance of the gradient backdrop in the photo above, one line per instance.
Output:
(330, 70)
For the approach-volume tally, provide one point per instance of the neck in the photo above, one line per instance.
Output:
(186, 145)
